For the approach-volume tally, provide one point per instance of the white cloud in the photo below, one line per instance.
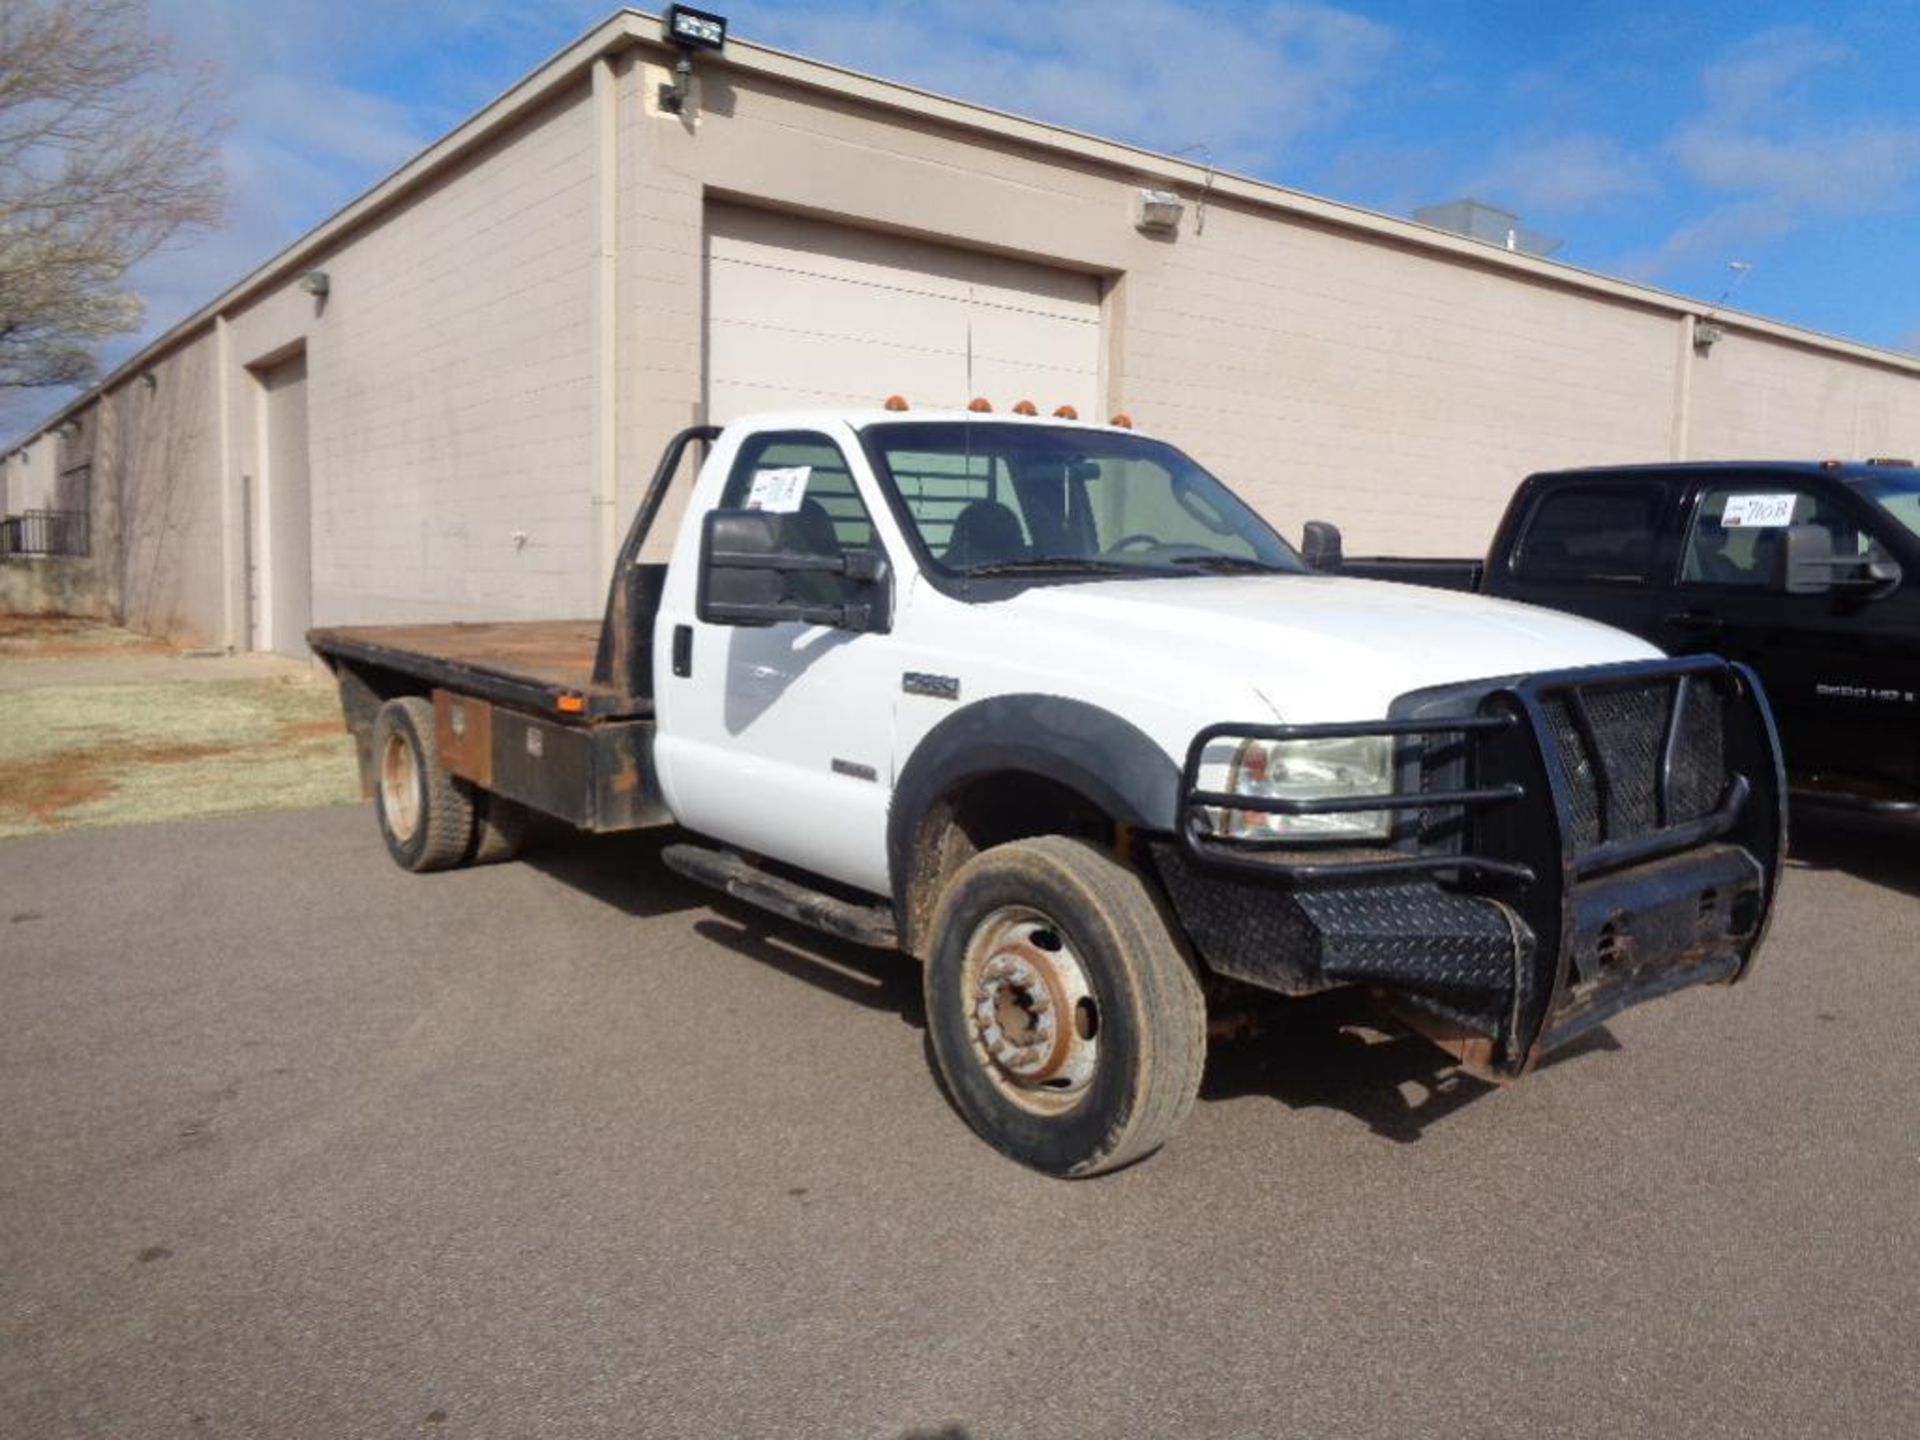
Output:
(1773, 143)
(1168, 74)
(1562, 174)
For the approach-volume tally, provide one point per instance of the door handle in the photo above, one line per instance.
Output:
(1696, 622)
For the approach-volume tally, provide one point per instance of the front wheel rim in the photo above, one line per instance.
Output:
(1032, 1017)
(400, 787)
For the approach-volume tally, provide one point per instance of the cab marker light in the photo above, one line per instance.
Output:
(1026, 407)
(1123, 420)
(1066, 412)
(896, 402)
(571, 704)
(980, 405)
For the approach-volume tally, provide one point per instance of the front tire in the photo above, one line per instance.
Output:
(426, 814)
(1065, 1015)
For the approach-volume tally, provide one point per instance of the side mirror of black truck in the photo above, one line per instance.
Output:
(1804, 564)
(755, 566)
(1320, 545)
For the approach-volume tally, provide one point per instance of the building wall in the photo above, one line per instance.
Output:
(158, 462)
(506, 347)
(1759, 398)
(450, 374)
(1399, 391)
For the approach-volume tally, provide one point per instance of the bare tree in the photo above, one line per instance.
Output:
(109, 148)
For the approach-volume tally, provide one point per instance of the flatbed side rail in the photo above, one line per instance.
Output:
(439, 671)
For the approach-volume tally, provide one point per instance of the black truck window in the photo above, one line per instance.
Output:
(1737, 531)
(1590, 532)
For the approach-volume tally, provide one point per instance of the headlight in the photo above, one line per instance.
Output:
(1309, 770)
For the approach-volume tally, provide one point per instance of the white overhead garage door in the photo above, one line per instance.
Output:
(801, 313)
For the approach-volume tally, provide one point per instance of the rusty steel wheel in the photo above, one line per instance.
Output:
(1063, 1011)
(426, 814)
(1035, 1021)
(400, 798)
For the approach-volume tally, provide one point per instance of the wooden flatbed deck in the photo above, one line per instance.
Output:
(529, 663)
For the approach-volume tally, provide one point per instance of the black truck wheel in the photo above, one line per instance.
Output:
(426, 815)
(1066, 1018)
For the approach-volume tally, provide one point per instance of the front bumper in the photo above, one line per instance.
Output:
(1566, 845)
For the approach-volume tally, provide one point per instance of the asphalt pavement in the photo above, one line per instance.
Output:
(294, 1144)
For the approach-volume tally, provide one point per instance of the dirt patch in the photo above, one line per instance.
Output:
(126, 754)
(40, 637)
(44, 792)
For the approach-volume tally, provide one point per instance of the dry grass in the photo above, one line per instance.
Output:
(132, 754)
(37, 637)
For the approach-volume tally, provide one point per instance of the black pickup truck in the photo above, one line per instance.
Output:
(1800, 569)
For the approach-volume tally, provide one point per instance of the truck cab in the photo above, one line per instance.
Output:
(1045, 706)
(1799, 570)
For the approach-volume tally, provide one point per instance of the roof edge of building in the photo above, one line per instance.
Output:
(628, 27)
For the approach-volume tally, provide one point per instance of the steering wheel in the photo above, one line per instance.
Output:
(1139, 539)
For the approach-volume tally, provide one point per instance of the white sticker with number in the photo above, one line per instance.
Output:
(1747, 512)
(779, 491)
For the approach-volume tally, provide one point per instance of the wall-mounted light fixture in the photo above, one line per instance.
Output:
(317, 284)
(150, 380)
(688, 30)
(1158, 212)
(1706, 335)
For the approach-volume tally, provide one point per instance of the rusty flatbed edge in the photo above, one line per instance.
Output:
(529, 663)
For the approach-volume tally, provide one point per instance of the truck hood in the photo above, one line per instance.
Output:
(1315, 647)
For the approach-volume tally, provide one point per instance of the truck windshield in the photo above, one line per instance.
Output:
(986, 498)
(1897, 493)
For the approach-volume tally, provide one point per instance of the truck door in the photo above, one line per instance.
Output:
(1840, 682)
(778, 738)
(1590, 547)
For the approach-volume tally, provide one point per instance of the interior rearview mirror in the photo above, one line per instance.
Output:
(1320, 545)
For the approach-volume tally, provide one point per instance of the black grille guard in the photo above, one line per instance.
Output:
(1514, 838)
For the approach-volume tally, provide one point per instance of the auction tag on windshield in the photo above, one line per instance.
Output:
(1746, 512)
(779, 491)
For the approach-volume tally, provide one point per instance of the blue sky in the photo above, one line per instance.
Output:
(1658, 144)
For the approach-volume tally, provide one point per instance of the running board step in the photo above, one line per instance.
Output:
(745, 881)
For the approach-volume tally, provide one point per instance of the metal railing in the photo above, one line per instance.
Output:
(46, 532)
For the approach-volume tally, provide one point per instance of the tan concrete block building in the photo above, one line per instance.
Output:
(459, 424)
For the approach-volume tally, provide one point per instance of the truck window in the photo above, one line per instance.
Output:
(937, 485)
(822, 488)
(804, 475)
(1590, 532)
(980, 493)
(1737, 529)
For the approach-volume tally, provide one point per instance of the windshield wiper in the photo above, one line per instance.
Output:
(1239, 564)
(1052, 565)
